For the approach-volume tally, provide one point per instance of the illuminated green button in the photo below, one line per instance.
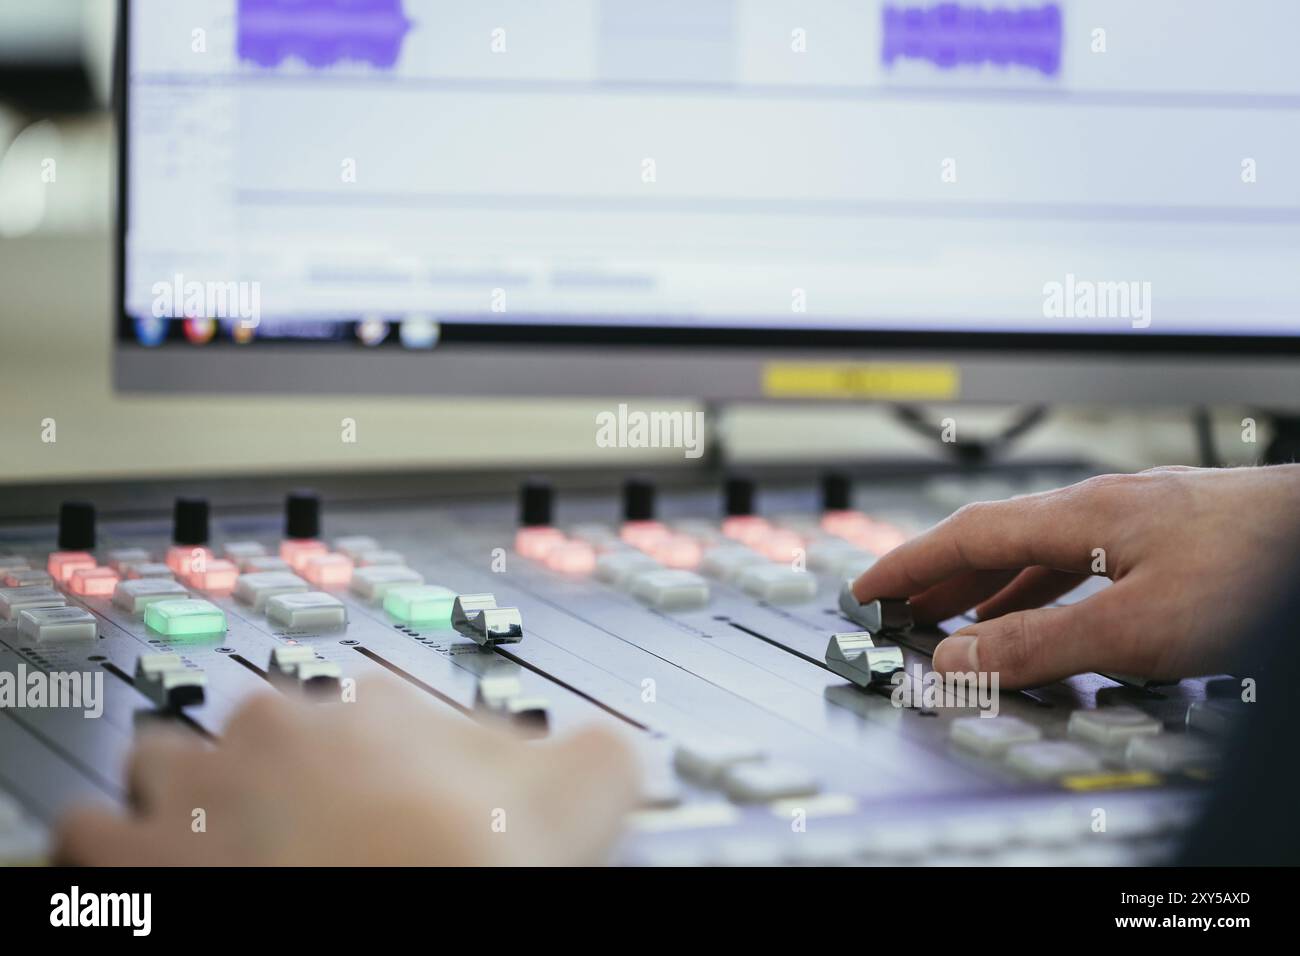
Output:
(423, 604)
(183, 618)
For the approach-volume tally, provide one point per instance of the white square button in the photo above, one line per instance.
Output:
(373, 583)
(314, 609)
(55, 624)
(671, 590)
(992, 736)
(618, 567)
(1048, 759)
(256, 588)
(778, 583)
(136, 595)
(13, 600)
(706, 758)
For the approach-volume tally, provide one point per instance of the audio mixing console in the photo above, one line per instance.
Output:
(706, 624)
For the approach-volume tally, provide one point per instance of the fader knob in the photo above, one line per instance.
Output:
(76, 526)
(190, 521)
(837, 491)
(302, 515)
(535, 500)
(738, 496)
(638, 500)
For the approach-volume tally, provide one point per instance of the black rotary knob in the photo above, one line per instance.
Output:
(190, 521)
(535, 502)
(76, 526)
(638, 500)
(837, 491)
(738, 496)
(302, 515)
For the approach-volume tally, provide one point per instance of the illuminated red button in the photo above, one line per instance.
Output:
(844, 523)
(877, 537)
(644, 534)
(184, 558)
(678, 551)
(326, 570)
(747, 529)
(63, 563)
(780, 545)
(572, 557)
(215, 574)
(93, 582)
(298, 551)
(537, 541)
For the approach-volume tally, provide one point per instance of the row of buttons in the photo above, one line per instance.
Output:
(740, 769)
(764, 560)
(1135, 835)
(148, 583)
(1123, 733)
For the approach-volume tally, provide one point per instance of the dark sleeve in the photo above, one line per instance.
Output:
(1253, 814)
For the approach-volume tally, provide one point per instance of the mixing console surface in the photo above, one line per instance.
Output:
(772, 727)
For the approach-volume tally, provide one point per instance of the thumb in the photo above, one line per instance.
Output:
(1027, 648)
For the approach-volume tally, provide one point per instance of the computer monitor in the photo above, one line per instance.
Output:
(729, 199)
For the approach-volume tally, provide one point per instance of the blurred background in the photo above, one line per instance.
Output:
(56, 326)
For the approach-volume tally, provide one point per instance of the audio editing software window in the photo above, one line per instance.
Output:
(739, 163)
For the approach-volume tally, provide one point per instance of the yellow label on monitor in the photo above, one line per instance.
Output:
(892, 380)
(1111, 781)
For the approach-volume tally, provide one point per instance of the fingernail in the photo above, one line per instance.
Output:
(957, 653)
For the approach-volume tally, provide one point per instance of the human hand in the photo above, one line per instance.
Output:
(387, 780)
(1191, 551)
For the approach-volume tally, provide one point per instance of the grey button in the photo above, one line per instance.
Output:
(1048, 759)
(671, 590)
(1111, 725)
(705, 759)
(53, 624)
(137, 594)
(777, 583)
(13, 600)
(1169, 753)
(760, 782)
(309, 609)
(260, 586)
(992, 736)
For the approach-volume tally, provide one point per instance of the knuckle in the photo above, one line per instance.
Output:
(969, 514)
(1013, 644)
(1107, 488)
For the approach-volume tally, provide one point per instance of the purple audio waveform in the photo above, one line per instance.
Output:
(321, 32)
(950, 35)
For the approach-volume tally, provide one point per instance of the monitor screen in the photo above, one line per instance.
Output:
(413, 173)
